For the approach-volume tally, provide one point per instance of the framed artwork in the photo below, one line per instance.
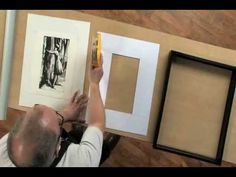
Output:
(54, 63)
(195, 107)
(146, 54)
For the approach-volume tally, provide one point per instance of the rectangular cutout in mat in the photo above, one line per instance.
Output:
(195, 107)
(122, 83)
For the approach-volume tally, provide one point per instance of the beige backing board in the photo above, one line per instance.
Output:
(167, 42)
(120, 95)
(194, 126)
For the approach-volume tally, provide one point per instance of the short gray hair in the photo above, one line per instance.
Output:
(32, 132)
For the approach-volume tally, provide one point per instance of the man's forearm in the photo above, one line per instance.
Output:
(95, 110)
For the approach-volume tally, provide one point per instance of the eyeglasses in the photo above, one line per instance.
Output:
(61, 121)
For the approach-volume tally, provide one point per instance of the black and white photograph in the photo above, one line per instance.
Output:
(54, 63)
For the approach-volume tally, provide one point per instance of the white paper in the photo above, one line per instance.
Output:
(76, 33)
(147, 53)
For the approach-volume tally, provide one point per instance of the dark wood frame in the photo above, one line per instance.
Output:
(218, 159)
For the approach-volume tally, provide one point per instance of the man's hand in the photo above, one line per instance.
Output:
(76, 109)
(95, 74)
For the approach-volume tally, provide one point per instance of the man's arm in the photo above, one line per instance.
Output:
(95, 109)
(88, 152)
(75, 110)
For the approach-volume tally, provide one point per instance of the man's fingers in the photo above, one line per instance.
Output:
(82, 107)
(82, 121)
(82, 98)
(101, 59)
(93, 57)
(82, 114)
(73, 99)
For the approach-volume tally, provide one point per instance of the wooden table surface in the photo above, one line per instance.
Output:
(208, 26)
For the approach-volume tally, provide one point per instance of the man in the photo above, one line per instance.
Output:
(35, 140)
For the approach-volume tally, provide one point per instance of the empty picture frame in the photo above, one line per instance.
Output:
(195, 107)
(54, 62)
(147, 53)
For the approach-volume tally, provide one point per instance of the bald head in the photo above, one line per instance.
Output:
(33, 140)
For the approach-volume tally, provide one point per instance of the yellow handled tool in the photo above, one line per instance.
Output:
(96, 53)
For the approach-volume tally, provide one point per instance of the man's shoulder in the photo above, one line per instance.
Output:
(87, 153)
(3, 139)
(94, 130)
(4, 159)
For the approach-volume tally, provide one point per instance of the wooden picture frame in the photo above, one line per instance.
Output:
(173, 57)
